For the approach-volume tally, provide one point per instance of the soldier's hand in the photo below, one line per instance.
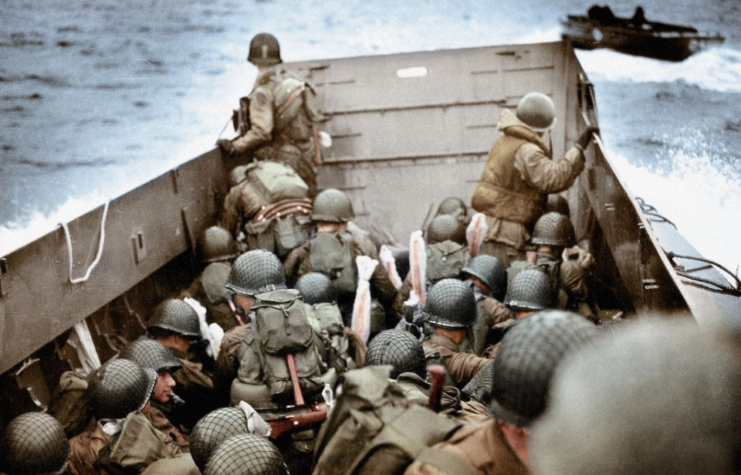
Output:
(586, 137)
(226, 146)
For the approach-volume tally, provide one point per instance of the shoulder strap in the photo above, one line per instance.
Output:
(444, 461)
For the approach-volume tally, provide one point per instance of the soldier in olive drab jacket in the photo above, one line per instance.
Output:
(519, 173)
(283, 115)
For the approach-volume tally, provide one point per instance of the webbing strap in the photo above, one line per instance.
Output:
(444, 461)
(289, 100)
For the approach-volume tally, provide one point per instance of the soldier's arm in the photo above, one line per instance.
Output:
(261, 119)
(496, 312)
(464, 366)
(546, 175)
(572, 280)
(293, 262)
(230, 218)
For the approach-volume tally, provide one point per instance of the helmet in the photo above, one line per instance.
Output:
(264, 50)
(479, 388)
(315, 288)
(527, 359)
(452, 206)
(332, 205)
(246, 454)
(537, 111)
(490, 271)
(213, 429)
(451, 304)
(663, 384)
(176, 316)
(399, 349)
(34, 443)
(558, 204)
(255, 272)
(531, 289)
(446, 227)
(120, 387)
(553, 229)
(151, 354)
(217, 244)
(238, 175)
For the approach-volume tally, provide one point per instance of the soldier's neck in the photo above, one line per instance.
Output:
(457, 336)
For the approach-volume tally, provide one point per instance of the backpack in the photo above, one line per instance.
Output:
(71, 403)
(374, 428)
(279, 235)
(331, 254)
(277, 182)
(445, 260)
(330, 320)
(280, 327)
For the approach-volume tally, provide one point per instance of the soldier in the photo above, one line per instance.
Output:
(333, 250)
(399, 349)
(454, 207)
(553, 233)
(280, 117)
(246, 454)
(216, 249)
(525, 366)
(153, 355)
(175, 325)
(450, 310)
(488, 279)
(124, 438)
(213, 429)
(34, 444)
(558, 204)
(519, 173)
(664, 394)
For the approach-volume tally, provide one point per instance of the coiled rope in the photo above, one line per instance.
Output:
(101, 243)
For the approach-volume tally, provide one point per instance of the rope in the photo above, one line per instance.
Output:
(737, 290)
(652, 212)
(101, 243)
(223, 129)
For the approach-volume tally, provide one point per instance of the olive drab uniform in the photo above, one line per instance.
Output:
(209, 290)
(568, 280)
(162, 423)
(491, 312)
(513, 189)
(227, 362)
(461, 366)
(196, 388)
(477, 449)
(284, 113)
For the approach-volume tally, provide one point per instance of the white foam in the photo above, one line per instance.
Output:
(717, 69)
(699, 195)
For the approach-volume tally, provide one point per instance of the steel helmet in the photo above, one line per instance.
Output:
(176, 316)
(399, 349)
(246, 454)
(531, 289)
(332, 205)
(527, 359)
(452, 206)
(537, 111)
(446, 227)
(217, 244)
(553, 229)
(213, 429)
(120, 387)
(34, 443)
(264, 50)
(151, 354)
(490, 271)
(479, 388)
(451, 304)
(558, 204)
(255, 272)
(316, 287)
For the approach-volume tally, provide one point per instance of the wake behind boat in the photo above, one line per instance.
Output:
(600, 28)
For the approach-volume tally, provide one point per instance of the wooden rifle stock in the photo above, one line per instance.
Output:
(437, 374)
(317, 415)
(298, 396)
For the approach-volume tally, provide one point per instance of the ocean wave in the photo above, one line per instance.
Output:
(717, 69)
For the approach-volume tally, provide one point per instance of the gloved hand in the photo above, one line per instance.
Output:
(586, 137)
(226, 146)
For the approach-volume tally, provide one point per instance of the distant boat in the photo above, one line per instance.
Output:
(636, 35)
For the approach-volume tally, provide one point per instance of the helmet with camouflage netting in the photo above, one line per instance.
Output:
(120, 387)
(332, 205)
(213, 429)
(256, 272)
(553, 229)
(216, 244)
(450, 304)
(316, 287)
(399, 349)
(490, 271)
(176, 316)
(452, 206)
(264, 50)
(246, 454)
(527, 359)
(446, 227)
(479, 388)
(34, 443)
(531, 289)
(151, 354)
(537, 111)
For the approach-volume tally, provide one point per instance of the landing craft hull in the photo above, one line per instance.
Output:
(409, 130)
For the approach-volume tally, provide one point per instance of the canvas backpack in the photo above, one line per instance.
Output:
(331, 254)
(445, 260)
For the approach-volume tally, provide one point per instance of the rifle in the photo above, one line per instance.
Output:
(316, 415)
(437, 374)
